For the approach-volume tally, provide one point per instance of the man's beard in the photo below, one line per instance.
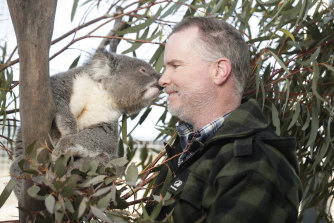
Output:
(192, 103)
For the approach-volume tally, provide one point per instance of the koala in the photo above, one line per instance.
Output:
(89, 101)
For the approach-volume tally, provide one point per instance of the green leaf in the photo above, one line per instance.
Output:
(31, 148)
(312, 59)
(136, 45)
(218, 6)
(156, 55)
(259, 81)
(68, 205)
(82, 207)
(275, 118)
(137, 28)
(172, 9)
(93, 181)
(315, 83)
(122, 161)
(59, 215)
(279, 61)
(156, 211)
(113, 194)
(321, 155)
(99, 214)
(85, 166)
(75, 62)
(314, 126)
(131, 174)
(60, 168)
(288, 34)
(269, 2)
(295, 116)
(93, 168)
(50, 202)
(144, 116)
(159, 63)
(7, 191)
(70, 185)
(74, 9)
(146, 216)
(168, 179)
(301, 12)
(231, 9)
(33, 192)
(307, 121)
(102, 191)
(329, 67)
(104, 202)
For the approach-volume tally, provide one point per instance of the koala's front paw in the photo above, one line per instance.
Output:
(62, 146)
(66, 125)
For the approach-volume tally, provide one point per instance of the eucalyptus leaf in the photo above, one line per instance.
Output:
(75, 62)
(99, 214)
(295, 116)
(68, 205)
(33, 190)
(50, 203)
(92, 181)
(70, 185)
(131, 174)
(104, 202)
(288, 34)
(74, 8)
(102, 191)
(275, 119)
(279, 61)
(122, 161)
(7, 191)
(314, 126)
(82, 207)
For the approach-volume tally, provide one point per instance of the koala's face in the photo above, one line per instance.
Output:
(132, 83)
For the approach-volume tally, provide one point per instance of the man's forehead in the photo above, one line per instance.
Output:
(181, 44)
(188, 33)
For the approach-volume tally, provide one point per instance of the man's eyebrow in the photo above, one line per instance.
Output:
(173, 61)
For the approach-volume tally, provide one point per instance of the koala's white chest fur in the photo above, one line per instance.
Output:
(90, 103)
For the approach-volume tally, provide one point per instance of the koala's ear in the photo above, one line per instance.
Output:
(101, 65)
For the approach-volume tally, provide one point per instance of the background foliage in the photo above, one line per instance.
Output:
(292, 77)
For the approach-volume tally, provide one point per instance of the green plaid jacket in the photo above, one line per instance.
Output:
(244, 173)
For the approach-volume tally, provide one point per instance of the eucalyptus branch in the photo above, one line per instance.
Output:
(139, 186)
(8, 151)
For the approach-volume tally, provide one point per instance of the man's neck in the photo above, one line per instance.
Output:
(209, 115)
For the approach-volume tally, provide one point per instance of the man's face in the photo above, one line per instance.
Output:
(187, 78)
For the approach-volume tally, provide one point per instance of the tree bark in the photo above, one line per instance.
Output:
(33, 22)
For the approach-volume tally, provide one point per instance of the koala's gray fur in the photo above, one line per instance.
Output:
(89, 101)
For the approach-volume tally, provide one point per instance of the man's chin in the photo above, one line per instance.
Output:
(180, 113)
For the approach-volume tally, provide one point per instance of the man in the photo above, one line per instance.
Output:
(229, 166)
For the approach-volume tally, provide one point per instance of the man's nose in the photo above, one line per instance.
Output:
(164, 80)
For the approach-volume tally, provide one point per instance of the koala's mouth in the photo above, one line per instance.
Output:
(152, 92)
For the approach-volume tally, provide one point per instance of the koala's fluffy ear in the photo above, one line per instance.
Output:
(102, 65)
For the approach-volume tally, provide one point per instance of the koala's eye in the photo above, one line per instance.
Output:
(143, 70)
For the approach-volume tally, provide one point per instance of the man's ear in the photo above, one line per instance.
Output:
(221, 71)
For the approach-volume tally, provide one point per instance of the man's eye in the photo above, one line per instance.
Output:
(175, 66)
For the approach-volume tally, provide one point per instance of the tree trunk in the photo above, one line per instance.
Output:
(33, 22)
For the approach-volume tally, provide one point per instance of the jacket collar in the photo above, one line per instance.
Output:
(246, 120)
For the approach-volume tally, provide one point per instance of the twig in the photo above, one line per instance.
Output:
(152, 164)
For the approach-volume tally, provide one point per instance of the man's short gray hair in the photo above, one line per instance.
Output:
(220, 39)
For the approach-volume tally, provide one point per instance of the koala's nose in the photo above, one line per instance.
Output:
(159, 87)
